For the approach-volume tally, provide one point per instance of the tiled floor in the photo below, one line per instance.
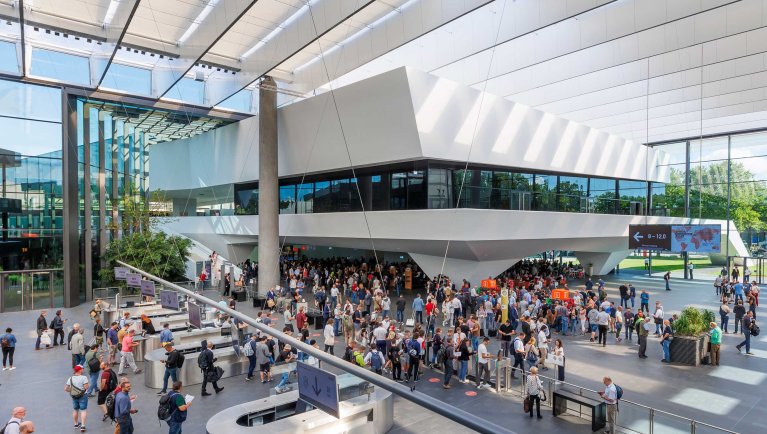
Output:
(730, 396)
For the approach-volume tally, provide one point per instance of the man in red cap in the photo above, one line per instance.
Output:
(76, 386)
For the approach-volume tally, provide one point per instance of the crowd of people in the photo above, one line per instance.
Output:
(449, 326)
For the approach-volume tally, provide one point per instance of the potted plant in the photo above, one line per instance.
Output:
(691, 336)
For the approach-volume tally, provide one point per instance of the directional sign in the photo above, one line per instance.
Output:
(656, 237)
(121, 273)
(169, 300)
(195, 315)
(133, 279)
(147, 288)
(318, 388)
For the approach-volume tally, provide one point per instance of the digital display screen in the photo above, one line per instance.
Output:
(169, 300)
(195, 315)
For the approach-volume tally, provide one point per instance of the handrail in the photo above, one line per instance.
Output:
(455, 414)
(651, 409)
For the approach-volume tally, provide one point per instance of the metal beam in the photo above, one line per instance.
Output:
(116, 31)
(23, 40)
(440, 407)
(223, 16)
(290, 40)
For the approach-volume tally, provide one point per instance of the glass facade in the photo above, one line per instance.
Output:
(437, 186)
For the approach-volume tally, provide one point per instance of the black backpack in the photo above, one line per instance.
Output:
(180, 360)
(112, 382)
(166, 407)
(109, 402)
(69, 339)
(202, 361)
(94, 364)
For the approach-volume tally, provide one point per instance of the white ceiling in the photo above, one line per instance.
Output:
(645, 70)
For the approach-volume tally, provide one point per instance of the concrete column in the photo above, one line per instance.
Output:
(268, 190)
(71, 236)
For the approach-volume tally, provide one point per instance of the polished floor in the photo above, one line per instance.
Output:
(730, 396)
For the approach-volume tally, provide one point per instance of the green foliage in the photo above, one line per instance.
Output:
(154, 252)
(708, 317)
(692, 322)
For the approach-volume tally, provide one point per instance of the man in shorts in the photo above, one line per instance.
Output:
(112, 343)
(262, 360)
(76, 386)
(107, 383)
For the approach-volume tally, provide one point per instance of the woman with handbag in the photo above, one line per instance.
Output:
(531, 353)
(559, 359)
(533, 388)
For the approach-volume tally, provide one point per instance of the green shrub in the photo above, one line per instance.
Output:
(693, 322)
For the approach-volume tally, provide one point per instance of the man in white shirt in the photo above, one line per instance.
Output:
(603, 320)
(334, 296)
(483, 364)
(658, 315)
(519, 354)
(17, 417)
(543, 346)
(380, 334)
(386, 306)
(610, 396)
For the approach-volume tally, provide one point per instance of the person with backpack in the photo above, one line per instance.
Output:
(209, 370)
(394, 355)
(611, 396)
(249, 351)
(175, 407)
(13, 426)
(107, 384)
(76, 386)
(122, 408)
(174, 360)
(375, 360)
(93, 363)
(8, 344)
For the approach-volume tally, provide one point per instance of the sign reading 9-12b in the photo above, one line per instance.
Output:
(676, 238)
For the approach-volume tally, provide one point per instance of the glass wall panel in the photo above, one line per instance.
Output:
(545, 192)
(602, 195)
(8, 60)
(188, 90)
(462, 191)
(322, 202)
(305, 198)
(399, 190)
(440, 188)
(573, 192)
(633, 196)
(128, 79)
(64, 67)
(380, 192)
(288, 199)
(708, 178)
(416, 190)
(240, 101)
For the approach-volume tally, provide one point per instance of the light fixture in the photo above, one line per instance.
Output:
(111, 11)
(197, 21)
(303, 9)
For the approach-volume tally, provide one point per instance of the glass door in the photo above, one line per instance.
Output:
(10, 283)
(40, 285)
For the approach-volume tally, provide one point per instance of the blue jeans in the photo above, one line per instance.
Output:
(400, 315)
(658, 329)
(283, 380)
(93, 383)
(463, 369)
(632, 301)
(747, 341)
(448, 372)
(574, 325)
(386, 313)
(80, 359)
(666, 352)
(336, 326)
(251, 365)
(333, 302)
(725, 322)
(564, 324)
(738, 297)
(171, 373)
(475, 342)
(175, 427)
(419, 316)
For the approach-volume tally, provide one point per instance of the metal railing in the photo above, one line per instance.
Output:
(632, 417)
(433, 404)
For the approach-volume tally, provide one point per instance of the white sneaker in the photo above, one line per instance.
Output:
(5, 369)
(11, 368)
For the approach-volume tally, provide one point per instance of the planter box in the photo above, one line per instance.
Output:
(687, 350)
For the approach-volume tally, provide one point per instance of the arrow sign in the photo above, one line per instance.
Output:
(637, 237)
(650, 237)
(312, 382)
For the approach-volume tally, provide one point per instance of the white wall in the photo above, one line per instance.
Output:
(400, 115)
